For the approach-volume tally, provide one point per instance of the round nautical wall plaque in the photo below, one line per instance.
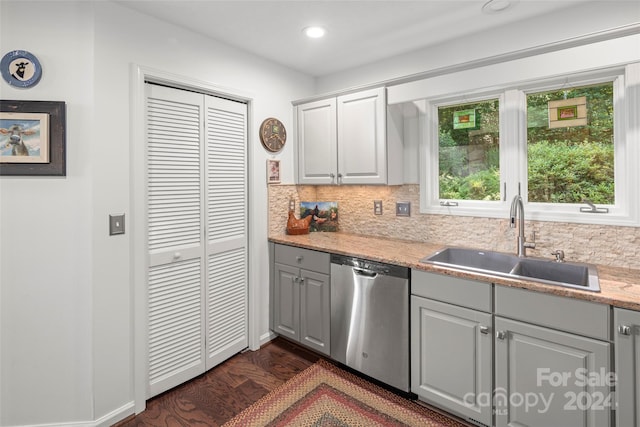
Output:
(20, 69)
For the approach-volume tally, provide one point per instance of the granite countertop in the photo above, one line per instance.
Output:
(620, 287)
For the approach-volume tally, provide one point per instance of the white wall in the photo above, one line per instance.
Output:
(66, 331)
(565, 24)
(45, 228)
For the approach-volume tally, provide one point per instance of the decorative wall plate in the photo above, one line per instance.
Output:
(20, 68)
(273, 135)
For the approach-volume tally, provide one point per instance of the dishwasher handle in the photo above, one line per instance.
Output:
(370, 266)
(363, 272)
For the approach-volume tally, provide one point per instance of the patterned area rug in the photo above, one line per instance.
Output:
(325, 395)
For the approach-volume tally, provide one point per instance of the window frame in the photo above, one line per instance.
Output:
(430, 202)
(570, 212)
(513, 150)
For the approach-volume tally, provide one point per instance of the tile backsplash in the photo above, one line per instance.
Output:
(598, 244)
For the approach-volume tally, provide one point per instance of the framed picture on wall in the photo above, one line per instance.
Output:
(32, 138)
(273, 171)
(25, 137)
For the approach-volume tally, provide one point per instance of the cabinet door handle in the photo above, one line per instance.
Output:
(624, 330)
(299, 258)
(501, 335)
(296, 279)
(484, 330)
(301, 280)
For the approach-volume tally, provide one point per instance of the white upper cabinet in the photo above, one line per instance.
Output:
(317, 142)
(342, 140)
(361, 138)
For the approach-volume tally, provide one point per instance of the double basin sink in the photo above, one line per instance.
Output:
(567, 274)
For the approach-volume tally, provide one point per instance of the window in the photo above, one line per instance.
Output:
(469, 151)
(562, 143)
(570, 145)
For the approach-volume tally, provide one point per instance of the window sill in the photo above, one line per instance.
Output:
(536, 214)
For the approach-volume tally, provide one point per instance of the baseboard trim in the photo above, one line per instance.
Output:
(105, 421)
(72, 424)
(116, 415)
(265, 338)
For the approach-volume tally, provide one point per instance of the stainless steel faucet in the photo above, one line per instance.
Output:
(516, 205)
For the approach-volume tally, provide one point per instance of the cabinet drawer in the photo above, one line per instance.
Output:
(463, 292)
(303, 258)
(562, 313)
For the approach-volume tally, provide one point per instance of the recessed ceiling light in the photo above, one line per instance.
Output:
(495, 6)
(314, 32)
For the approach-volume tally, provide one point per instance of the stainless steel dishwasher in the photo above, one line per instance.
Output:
(370, 318)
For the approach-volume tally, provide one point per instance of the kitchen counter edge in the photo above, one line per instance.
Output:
(619, 287)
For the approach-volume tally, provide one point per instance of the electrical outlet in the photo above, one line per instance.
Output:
(403, 208)
(292, 204)
(377, 207)
(116, 224)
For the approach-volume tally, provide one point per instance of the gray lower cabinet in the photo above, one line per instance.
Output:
(627, 358)
(549, 370)
(544, 377)
(301, 296)
(452, 344)
(519, 359)
(451, 357)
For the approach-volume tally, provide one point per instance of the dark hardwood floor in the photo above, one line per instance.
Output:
(223, 392)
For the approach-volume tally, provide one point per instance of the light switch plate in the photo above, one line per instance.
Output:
(403, 208)
(377, 207)
(116, 224)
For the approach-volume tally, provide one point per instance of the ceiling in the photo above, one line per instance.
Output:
(358, 32)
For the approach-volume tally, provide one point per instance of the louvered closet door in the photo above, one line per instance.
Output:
(226, 142)
(175, 192)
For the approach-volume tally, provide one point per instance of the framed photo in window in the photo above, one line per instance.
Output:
(464, 119)
(568, 112)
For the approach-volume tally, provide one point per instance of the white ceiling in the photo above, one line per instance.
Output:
(358, 32)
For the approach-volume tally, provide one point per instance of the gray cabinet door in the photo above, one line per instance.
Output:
(548, 378)
(315, 322)
(627, 355)
(451, 357)
(286, 301)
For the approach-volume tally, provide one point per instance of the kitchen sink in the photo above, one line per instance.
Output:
(568, 274)
(582, 276)
(471, 259)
